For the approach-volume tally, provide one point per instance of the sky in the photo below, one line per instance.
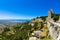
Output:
(27, 9)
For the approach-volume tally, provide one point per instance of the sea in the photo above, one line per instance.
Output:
(15, 20)
(20, 20)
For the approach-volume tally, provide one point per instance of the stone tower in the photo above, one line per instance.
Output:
(59, 18)
(50, 13)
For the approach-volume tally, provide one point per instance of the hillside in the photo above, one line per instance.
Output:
(26, 30)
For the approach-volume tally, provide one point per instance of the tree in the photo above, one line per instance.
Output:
(43, 17)
(55, 18)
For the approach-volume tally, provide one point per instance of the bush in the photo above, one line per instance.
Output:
(55, 18)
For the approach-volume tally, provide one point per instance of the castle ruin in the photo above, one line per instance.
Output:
(50, 12)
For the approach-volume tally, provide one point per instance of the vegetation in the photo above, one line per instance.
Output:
(56, 17)
(23, 31)
(16, 33)
(43, 17)
(20, 31)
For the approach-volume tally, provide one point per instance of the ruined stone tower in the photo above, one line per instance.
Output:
(59, 18)
(50, 13)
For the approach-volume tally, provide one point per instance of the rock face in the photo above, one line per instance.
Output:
(32, 38)
(54, 30)
(51, 26)
(38, 34)
(53, 33)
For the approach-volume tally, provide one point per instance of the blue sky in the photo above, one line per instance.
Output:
(27, 9)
